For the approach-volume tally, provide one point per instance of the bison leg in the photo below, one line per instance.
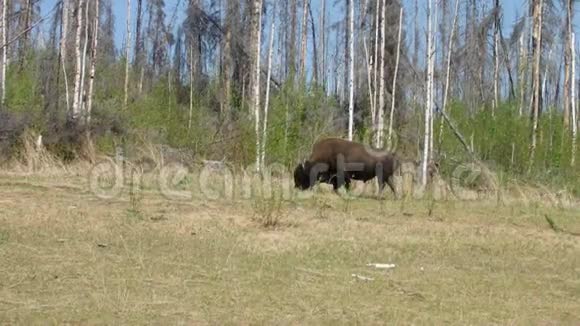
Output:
(338, 182)
(389, 182)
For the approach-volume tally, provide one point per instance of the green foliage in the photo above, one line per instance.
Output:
(296, 118)
(23, 92)
(503, 141)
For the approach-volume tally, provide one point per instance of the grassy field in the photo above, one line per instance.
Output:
(69, 257)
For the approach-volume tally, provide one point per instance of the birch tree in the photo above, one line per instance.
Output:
(94, 52)
(429, 103)
(390, 135)
(567, 63)
(433, 94)
(4, 49)
(255, 39)
(267, 99)
(84, 61)
(573, 108)
(496, 45)
(375, 66)
(351, 70)
(191, 86)
(76, 108)
(448, 68)
(322, 60)
(537, 14)
(127, 52)
(381, 107)
(523, 68)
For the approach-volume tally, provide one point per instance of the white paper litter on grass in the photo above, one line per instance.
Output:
(363, 278)
(382, 266)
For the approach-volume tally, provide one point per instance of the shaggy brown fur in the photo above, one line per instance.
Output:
(338, 161)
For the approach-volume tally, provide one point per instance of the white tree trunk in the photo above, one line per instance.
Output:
(432, 91)
(84, 63)
(370, 82)
(535, 109)
(76, 108)
(267, 99)
(4, 49)
(63, 49)
(257, 37)
(94, 53)
(523, 70)
(391, 114)
(375, 68)
(191, 65)
(448, 72)
(127, 52)
(351, 73)
(567, 62)
(496, 75)
(573, 110)
(323, 44)
(428, 106)
(381, 108)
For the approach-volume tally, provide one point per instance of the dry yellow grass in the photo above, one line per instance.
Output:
(68, 257)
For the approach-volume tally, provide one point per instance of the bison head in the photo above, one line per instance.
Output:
(301, 177)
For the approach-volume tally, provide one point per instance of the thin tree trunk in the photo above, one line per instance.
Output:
(267, 99)
(127, 52)
(537, 50)
(84, 64)
(256, 41)
(191, 82)
(4, 49)
(546, 98)
(573, 109)
(94, 52)
(227, 61)
(138, 40)
(496, 44)
(523, 68)
(63, 49)
(416, 43)
(24, 44)
(390, 136)
(304, 42)
(78, 66)
(323, 44)
(314, 47)
(291, 44)
(567, 60)
(351, 72)
(507, 63)
(375, 65)
(428, 107)
(448, 69)
(433, 56)
(369, 82)
(381, 108)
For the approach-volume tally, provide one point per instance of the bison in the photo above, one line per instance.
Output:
(338, 161)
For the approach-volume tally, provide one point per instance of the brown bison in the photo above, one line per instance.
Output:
(337, 162)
